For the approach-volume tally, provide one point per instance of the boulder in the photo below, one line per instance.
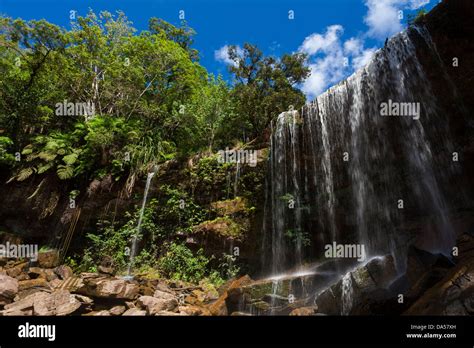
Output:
(117, 310)
(39, 283)
(134, 312)
(63, 272)
(24, 293)
(106, 270)
(48, 259)
(154, 305)
(18, 271)
(329, 300)
(420, 261)
(108, 288)
(162, 286)
(163, 294)
(50, 275)
(382, 270)
(36, 272)
(25, 304)
(87, 301)
(450, 296)
(43, 303)
(193, 310)
(8, 289)
(58, 303)
(304, 311)
(219, 307)
(102, 313)
(358, 285)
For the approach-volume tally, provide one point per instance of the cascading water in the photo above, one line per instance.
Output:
(347, 293)
(133, 250)
(341, 171)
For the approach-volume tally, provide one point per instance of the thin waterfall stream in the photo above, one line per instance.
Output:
(133, 249)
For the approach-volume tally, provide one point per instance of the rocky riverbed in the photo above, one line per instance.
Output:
(431, 285)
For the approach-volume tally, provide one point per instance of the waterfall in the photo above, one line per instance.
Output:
(133, 250)
(347, 293)
(342, 171)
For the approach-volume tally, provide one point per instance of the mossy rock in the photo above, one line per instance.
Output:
(222, 226)
(238, 205)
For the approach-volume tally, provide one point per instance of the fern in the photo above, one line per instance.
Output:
(65, 172)
(70, 159)
(24, 174)
(27, 150)
(47, 156)
(45, 167)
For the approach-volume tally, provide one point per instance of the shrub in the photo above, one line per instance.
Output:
(180, 263)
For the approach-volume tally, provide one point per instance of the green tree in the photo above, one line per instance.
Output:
(264, 86)
(181, 35)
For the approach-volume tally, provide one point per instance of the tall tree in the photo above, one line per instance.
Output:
(265, 86)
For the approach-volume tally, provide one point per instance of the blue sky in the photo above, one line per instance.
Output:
(339, 35)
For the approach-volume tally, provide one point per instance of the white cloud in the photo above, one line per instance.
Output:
(317, 42)
(416, 4)
(383, 17)
(222, 54)
(331, 59)
(353, 46)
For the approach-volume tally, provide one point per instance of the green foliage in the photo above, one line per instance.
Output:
(297, 236)
(112, 241)
(178, 212)
(181, 263)
(182, 35)
(416, 18)
(210, 177)
(153, 102)
(264, 87)
(228, 267)
(54, 151)
(287, 197)
(252, 185)
(6, 158)
(213, 109)
(224, 226)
